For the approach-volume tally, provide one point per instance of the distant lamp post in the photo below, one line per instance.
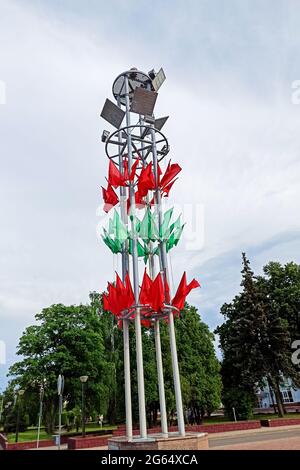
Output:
(60, 391)
(19, 395)
(42, 385)
(83, 380)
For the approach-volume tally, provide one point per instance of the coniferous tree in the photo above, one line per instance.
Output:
(255, 341)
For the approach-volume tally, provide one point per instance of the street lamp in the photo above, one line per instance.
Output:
(60, 391)
(19, 394)
(83, 380)
(42, 385)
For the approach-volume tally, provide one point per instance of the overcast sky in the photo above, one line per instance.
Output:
(233, 128)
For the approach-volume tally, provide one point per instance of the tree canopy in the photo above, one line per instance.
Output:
(85, 340)
(256, 339)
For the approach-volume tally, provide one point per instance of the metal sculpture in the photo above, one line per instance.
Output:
(135, 152)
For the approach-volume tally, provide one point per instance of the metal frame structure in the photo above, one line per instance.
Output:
(142, 140)
(117, 143)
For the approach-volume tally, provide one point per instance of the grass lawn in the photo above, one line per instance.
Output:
(275, 416)
(27, 436)
(223, 419)
(31, 433)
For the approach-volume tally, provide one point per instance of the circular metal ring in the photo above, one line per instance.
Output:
(147, 313)
(142, 146)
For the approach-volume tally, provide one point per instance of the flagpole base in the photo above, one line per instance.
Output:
(191, 441)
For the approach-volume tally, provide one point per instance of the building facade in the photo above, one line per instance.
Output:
(290, 395)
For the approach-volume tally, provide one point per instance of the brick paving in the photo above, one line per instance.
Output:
(263, 439)
(288, 443)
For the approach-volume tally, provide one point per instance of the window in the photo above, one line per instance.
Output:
(287, 396)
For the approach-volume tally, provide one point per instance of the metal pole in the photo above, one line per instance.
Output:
(59, 420)
(125, 268)
(128, 408)
(137, 320)
(18, 419)
(40, 416)
(159, 363)
(123, 207)
(83, 410)
(177, 387)
(176, 375)
(161, 385)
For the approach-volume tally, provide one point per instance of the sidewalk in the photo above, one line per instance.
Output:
(253, 431)
(286, 443)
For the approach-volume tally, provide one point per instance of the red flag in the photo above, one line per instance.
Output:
(119, 285)
(157, 295)
(129, 291)
(115, 177)
(159, 173)
(133, 169)
(145, 289)
(140, 203)
(170, 173)
(167, 291)
(105, 302)
(192, 285)
(146, 180)
(182, 291)
(110, 198)
(125, 167)
(179, 299)
(146, 323)
(121, 293)
(167, 188)
(113, 299)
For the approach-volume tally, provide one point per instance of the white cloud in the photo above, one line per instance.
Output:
(238, 148)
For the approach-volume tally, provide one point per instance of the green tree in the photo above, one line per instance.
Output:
(282, 284)
(255, 341)
(67, 340)
(199, 367)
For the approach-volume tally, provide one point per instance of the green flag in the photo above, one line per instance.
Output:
(177, 233)
(140, 249)
(147, 228)
(113, 245)
(120, 229)
(111, 230)
(165, 229)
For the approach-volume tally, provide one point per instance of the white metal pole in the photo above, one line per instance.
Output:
(176, 375)
(161, 385)
(40, 416)
(159, 363)
(127, 377)
(128, 409)
(177, 387)
(59, 421)
(137, 320)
